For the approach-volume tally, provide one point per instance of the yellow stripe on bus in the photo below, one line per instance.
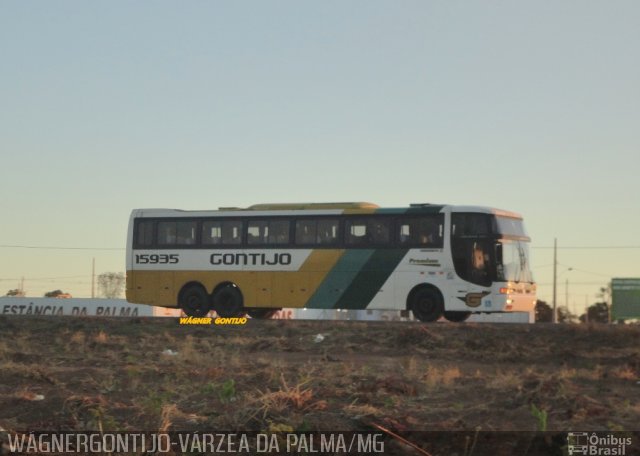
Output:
(259, 288)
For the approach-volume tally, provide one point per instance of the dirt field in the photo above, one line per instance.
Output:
(153, 374)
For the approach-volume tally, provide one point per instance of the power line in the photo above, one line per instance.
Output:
(46, 247)
(46, 278)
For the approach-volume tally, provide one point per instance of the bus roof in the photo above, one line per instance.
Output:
(320, 209)
(310, 206)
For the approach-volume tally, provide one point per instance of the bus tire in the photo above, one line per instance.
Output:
(457, 316)
(262, 313)
(228, 302)
(426, 304)
(194, 301)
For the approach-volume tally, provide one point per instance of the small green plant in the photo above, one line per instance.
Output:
(209, 388)
(227, 391)
(541, 416)
(103, 420)
(154, 402)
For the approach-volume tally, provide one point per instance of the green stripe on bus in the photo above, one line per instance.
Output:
(371, 278)
(339, 278)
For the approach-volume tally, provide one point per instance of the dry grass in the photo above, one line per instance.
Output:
(27, 395)
(505, 380)
(78, 337)
(271, 375)
(625, 373)
(441, 377)
(363, 410)
(101, 338)
(567, 374)
(166, 417)
(287, 397)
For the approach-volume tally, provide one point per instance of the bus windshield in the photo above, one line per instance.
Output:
(509, 226)
(488, 248)
(514, 266)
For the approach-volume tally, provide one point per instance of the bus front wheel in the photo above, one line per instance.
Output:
(228, 302)
(426, 305)
(194, 301)
(456, 317)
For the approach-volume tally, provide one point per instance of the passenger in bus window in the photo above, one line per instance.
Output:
(478, 263)
(380, 233)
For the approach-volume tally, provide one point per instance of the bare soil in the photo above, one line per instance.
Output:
(59, 373)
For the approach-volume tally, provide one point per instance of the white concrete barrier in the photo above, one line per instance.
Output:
(121, 308)
(73, 307)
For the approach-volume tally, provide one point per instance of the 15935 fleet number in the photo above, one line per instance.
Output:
(157, 259)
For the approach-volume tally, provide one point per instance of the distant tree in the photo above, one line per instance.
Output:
(16, 292)
(565, 315)
(597, 313)
(111, 284)
(544, 312)
(605, 293)
(53, 294)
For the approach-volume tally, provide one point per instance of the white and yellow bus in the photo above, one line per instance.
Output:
(433, 260)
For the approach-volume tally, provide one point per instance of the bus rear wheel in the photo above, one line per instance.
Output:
(194, 301)
(456, 317)
(228, 302)
(426, 305)
(263, 313)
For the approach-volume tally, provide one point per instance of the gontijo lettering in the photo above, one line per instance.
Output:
(242, 259)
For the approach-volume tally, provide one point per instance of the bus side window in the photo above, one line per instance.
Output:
(278, 232)
(231, 232)
(379, 231)
(422, 231)
(256, 232)
(212, 233)
(186, 232)
(306, 231)
(356, 232)
(274, 232)
(167, 233)
(226, 232)
(144, 235)
(405, 233)
(327, 231)
(429, 231)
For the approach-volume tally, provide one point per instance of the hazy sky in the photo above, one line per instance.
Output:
(108, 106)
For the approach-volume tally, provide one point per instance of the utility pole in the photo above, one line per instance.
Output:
(93, 278)
(555, 278)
